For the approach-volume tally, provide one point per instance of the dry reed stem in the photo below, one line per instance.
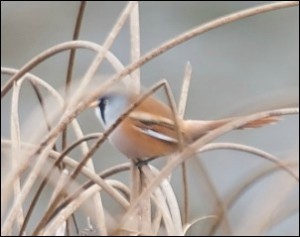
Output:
(46, 146)
(181, 110)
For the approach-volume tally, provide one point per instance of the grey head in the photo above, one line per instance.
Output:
(111, 106)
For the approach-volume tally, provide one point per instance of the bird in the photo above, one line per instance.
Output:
(149, 131)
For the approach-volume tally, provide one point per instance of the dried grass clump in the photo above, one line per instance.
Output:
(148, 206)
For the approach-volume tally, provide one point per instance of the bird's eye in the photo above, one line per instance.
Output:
(103, 102)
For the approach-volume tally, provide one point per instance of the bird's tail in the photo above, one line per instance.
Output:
(196, 128)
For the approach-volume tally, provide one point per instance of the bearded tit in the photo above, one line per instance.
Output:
(149, 131)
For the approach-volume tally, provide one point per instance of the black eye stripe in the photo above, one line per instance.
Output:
(102, 106)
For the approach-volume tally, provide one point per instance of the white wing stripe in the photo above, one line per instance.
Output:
(157, 135)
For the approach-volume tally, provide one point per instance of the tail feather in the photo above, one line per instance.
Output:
(261, 122)
(197, 128)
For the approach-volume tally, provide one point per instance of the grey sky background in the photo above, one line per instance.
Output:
(243, 67)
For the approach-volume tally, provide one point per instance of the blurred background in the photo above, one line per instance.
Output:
(243, 67)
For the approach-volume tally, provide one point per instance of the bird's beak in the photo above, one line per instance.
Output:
(94, 104)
